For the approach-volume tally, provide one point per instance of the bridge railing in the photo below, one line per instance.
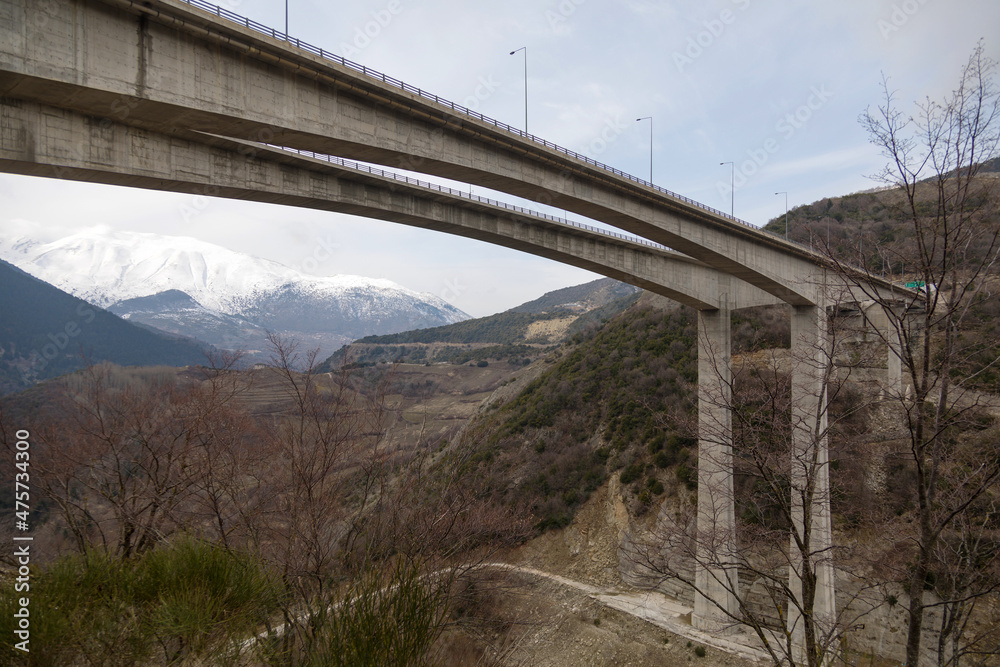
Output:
(357, 166)
(367, 71)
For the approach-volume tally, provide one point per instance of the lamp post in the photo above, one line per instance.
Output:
(286, 20)
(650, 119)
(732, 190)
(525, 49)
(786, 212)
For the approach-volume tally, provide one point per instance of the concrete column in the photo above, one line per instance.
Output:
(715, 569)
(886, 324)
(894, 361)
(811, 538)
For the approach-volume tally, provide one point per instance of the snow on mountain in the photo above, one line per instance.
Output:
(119, 270)
(104, 267)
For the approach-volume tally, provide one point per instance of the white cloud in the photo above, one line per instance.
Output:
(853, 158)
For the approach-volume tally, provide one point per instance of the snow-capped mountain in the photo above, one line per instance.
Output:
(197, 289)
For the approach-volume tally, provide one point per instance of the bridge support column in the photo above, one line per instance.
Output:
(811, 538)
(715, 604)
(903, 332)
(883, 319)
(894, 361)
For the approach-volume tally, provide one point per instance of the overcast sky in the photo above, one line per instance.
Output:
(774, 86)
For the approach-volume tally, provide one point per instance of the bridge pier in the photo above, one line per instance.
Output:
(811, 540)
(902, 334)
(716, 606)
(894, 352)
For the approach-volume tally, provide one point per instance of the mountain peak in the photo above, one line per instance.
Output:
(120, 269)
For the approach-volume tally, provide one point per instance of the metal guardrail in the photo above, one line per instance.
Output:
(357, 166)
(379, 76)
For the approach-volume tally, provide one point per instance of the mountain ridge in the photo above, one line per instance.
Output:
(232, 299)
(516, 335)
(37, 343)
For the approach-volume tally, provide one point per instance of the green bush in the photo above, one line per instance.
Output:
(687, 476)
(185, 602)
(378, 622)
(631, 473)
(601, 389)
(663, 460)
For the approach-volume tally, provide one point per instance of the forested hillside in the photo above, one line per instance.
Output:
(601, 407)
(871, 230)
(519, 335)
(45, 332)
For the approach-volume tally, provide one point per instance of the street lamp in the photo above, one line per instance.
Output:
(732, 190)
(786, 212)
(650, 119)
(525, 49)
(286, 20)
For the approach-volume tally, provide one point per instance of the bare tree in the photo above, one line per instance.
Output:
(233, 496)
(125, 464)
(345, 509)
(934, 162)
(967, 571)
(328, 465)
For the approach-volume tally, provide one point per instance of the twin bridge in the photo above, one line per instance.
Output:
(183, 96)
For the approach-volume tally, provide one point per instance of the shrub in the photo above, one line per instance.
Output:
(663, 460)
(631, 473)
(379, 622)
(185, 602)
(687, 476)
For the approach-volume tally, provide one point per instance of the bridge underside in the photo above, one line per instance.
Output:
(46, 141)
(163, 64)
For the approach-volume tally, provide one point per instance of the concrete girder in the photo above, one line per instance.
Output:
(163, 64)
(45, 141)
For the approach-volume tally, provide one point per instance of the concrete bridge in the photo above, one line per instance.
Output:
(180, 95)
